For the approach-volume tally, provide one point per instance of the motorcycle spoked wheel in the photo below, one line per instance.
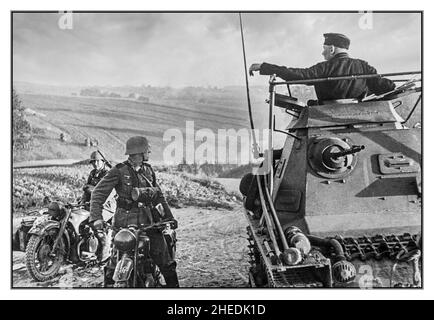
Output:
(42, 265)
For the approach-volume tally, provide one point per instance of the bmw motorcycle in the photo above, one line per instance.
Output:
(58, 237)
(134, 265)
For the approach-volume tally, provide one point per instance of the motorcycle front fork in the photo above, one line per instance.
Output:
(146, 274)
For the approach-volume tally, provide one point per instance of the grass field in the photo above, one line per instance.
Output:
(212, 246)
(31, 186)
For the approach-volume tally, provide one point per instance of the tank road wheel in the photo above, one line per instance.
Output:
(40, 263)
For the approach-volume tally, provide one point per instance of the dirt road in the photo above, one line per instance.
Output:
(212, 252)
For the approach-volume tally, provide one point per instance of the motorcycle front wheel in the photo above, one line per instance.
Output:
(148, 281)
(43, 264)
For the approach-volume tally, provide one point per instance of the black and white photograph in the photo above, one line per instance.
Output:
(216, 149)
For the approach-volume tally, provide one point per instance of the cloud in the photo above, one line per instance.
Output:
(181, 49)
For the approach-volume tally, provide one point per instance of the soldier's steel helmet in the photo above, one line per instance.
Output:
(95, 156)
(137, 144)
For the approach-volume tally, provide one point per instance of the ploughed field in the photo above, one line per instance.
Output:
(112, 121)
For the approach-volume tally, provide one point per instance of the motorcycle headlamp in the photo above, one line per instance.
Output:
(124, 240)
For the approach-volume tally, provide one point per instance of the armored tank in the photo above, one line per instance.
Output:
(340, 204)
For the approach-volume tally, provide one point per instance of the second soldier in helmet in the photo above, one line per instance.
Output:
(135, 172)
(98, 172)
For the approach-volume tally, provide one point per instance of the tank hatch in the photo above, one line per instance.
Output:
(346, 114)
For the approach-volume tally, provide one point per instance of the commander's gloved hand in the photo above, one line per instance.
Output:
(98, 224)
(254, 67)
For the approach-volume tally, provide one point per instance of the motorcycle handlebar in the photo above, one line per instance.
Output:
(158, 225)
(75, 205)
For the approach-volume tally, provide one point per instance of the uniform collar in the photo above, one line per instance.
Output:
(340, 55)
(98, 171)
(131, 165)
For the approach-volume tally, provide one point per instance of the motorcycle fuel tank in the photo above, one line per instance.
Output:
(78, 215)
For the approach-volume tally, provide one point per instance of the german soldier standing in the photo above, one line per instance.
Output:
(124, 178)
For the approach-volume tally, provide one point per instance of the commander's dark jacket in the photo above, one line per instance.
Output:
(339, 65)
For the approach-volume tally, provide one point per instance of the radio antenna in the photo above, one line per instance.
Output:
(256, 153)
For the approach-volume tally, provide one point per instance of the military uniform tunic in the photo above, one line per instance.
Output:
(123, 178)
(340, 65)
(95, 176)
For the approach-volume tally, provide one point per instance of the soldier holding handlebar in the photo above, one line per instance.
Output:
(140, 202)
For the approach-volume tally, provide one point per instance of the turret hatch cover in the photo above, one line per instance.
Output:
(346, 114)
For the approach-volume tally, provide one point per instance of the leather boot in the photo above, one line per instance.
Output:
(104, 246)
(108, 275)
(171, 279)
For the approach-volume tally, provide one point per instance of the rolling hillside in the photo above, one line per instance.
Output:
(52, 111)
(113, 121)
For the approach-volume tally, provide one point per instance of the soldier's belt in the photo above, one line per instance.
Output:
(126, 204)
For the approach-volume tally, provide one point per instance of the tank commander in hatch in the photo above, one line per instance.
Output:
(338, 63)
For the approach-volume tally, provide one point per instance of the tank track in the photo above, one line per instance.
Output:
(313, 272)
(394, 247)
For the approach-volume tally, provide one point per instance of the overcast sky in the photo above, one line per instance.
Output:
(194, 49)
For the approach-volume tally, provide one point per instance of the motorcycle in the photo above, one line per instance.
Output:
(134, 265)
(60, 236)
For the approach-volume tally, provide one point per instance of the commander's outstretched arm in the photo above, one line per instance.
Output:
(288, 74)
